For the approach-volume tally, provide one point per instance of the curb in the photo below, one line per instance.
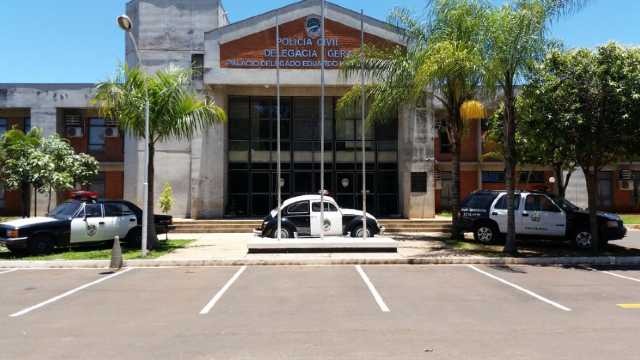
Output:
(103, 264)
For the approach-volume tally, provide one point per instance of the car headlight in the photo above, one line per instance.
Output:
(612, 224)
(12, 233)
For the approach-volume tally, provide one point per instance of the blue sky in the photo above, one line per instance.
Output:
(78, 41)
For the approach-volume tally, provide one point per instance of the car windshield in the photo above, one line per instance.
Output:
(566, 204)
(65, 210)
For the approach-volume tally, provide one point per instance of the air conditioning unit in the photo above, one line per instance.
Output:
(626, 174)
(626, 185)
(74, 132)
(111, 132)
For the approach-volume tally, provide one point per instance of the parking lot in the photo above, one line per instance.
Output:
(346, 312)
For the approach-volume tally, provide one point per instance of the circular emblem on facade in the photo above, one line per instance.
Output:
(326, 226)
(92, 230)
(313, 26)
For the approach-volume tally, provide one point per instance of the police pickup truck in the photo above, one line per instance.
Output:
(537, 215)
(75, 222)
(301, 217)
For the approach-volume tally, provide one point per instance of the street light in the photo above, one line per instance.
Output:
(125, 23)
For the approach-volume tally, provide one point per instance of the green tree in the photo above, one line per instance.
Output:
(516, 37)
(175, 112)
(443, 58)
(601, 89)
(166, 198)
(16, 149)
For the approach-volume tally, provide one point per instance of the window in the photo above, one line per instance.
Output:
(3, 126)
(1, 197)
(98, 184)
(418, 182)
(96, 135)
(27, 124)
(492, 177)
(533, 177)
(540, 203)
(315, 207)
(301, 207)
(445, 142)
(197, 66)
(91, 210)
(479, 201)
(117, 209)
(502, 203)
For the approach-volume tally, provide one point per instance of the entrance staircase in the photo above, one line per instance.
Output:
(188, 226)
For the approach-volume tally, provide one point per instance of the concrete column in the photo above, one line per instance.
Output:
(416, 154)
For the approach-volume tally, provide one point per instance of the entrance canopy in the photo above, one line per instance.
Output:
(244, 53)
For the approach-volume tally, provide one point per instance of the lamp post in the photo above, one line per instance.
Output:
(125, 23)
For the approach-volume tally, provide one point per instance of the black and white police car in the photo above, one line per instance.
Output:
(81, 220)
(537, 215)
(301, 217)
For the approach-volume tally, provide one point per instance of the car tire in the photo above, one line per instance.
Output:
(582, 239)
(486, 233)
(285, 233)
(134, 238)
(356, 232)
(17, 251)
(40, 245)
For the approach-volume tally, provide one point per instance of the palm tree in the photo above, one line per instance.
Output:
(175, 111)
(516, 38)
(443, 59)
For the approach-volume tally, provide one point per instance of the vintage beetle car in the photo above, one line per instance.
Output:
(78, 221)
(301, 217)
(537, 215)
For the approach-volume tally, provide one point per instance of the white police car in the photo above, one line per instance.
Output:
(537, 215)
(301, 217)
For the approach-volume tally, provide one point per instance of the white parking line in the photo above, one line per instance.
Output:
(205, 310)
(517, 287)
(373, 290)
(70, 292)
(8, 271)
(616, 275)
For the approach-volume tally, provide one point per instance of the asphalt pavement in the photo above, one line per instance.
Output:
(323, 312)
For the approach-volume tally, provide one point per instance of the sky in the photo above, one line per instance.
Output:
(77, 41)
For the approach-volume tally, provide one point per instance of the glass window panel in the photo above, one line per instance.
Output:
(260, 205)
(239, 182)
(260, 182)
(303, 182)
(238, 205)
(96, 134)
(387, 182)
(502, 203)
(3, 126)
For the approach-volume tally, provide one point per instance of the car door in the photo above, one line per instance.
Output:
(499, 212)
(89, 225)
(542, 217)
(332, 219)
(120, 218)
(298, 214)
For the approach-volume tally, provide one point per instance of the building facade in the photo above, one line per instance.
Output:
(229, 170)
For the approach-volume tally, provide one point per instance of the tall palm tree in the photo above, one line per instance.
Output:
(176, 111)
(516, 36)
(443, 59)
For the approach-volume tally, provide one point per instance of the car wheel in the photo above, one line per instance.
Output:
(134, 238)
(40, 245)
(485, 233)
(284, 233)
(17, 251)
(357, 232)
(583, 239)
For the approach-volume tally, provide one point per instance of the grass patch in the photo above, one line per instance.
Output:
(444, 213)
(630, 218)
(7, 218)
(100, 251)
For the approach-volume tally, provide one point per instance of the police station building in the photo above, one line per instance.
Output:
(230, 170)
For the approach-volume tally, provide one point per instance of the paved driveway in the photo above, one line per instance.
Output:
(324, 312)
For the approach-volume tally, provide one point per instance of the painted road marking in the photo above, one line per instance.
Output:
(629, 306)
(8, 271)
(68, 293)
(520, 288)
(616, 275)
(205, 310)
(372, 289)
